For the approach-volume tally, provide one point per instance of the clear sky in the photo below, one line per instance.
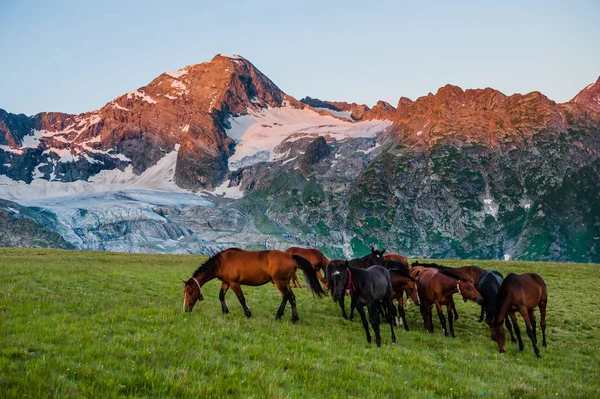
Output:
(75, 56)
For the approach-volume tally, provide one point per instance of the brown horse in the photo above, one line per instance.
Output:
(400, 284)
(315, 257)
(467, 273)
(397, 258)
(235, 267)
(521, 293)
(436, 287)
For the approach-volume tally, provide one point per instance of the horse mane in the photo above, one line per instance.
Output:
(212, 263)
(430, 265)
(447, 271)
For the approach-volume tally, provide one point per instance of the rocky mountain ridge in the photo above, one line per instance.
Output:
(460, 173)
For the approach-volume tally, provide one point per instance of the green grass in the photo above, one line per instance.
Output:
(87, 324)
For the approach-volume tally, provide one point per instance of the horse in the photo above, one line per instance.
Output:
(371, 288)
(521, 293)
(374, 258)
(315, 257)
(397, 258)
(467, 273)
(436, 287)
(488, 286)
(401, 283)
(235, 267)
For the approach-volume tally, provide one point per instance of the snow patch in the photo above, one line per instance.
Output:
(142, 95)
(117, 106)
(252, 138)
(339, 114)
(32, 140)
(489, 207)
(159, 177)
(180, 86)
(186, 128)
(178, 74)
(227, 192)
(420, 132)
(377, 145)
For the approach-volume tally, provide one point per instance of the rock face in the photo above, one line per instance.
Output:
(459, 173)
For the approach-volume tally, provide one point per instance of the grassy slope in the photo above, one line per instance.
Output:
(85, 324)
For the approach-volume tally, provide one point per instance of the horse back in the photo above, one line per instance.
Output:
(397, 258)
(527, 289)
(313, 255)
(255, 267)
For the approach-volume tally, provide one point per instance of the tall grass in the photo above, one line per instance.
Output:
(87, 324)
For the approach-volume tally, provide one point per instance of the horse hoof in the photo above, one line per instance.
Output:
(248, 313)
(544, 345)
(295, 319)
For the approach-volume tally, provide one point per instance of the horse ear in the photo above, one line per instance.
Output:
(183, 281)
(372, 249)
(382, 251)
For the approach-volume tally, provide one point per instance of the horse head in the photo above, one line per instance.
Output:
(192, 294)
(412, 290)
(339, 277)
(498, 335)
(468, 291)
(377, 256)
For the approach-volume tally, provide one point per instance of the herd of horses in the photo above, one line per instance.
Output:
(374, 281)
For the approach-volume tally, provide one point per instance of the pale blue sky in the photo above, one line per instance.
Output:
(75, 56)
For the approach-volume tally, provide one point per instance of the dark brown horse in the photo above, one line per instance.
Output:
(402, 283)
(236, 267)
(316, 259)
(436, 287)
(521, 293)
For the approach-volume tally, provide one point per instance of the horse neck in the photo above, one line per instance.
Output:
(203, 276)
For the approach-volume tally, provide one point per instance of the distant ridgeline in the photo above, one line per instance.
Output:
(216, 155)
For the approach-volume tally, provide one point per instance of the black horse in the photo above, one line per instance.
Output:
(374, 258)
(371, 288)
(489, 285)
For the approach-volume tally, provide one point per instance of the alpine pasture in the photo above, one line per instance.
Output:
(90, 324)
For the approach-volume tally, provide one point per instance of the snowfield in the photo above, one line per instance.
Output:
(260, 132)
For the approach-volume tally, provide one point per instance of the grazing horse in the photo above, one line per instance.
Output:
(371, 288)
(488, 286)
(467, 273)
(235, 267)
(521, 293)
(374, 258)
(436, 288)
(315, 257)
(401, 283)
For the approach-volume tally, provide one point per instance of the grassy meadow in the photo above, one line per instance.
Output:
(88, 324)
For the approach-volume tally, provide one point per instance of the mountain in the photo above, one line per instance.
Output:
(216, 155)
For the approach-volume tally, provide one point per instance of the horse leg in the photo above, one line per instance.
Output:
(513, 318)
(238, 291)
(509, 328)
(361, 312)
(438, 307)
(295, 281)
(526, 314)
(224, 288)
(374, 318)
(401, 313)
(454, 310)
(320, 277)
(284, 289)
(450, 323)
(352, 307)
(481, 315)
(542, 306)
(341, 302)
(391, 317)
(426, 314)
(292, 299)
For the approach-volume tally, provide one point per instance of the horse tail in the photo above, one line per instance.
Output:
(310, 275)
